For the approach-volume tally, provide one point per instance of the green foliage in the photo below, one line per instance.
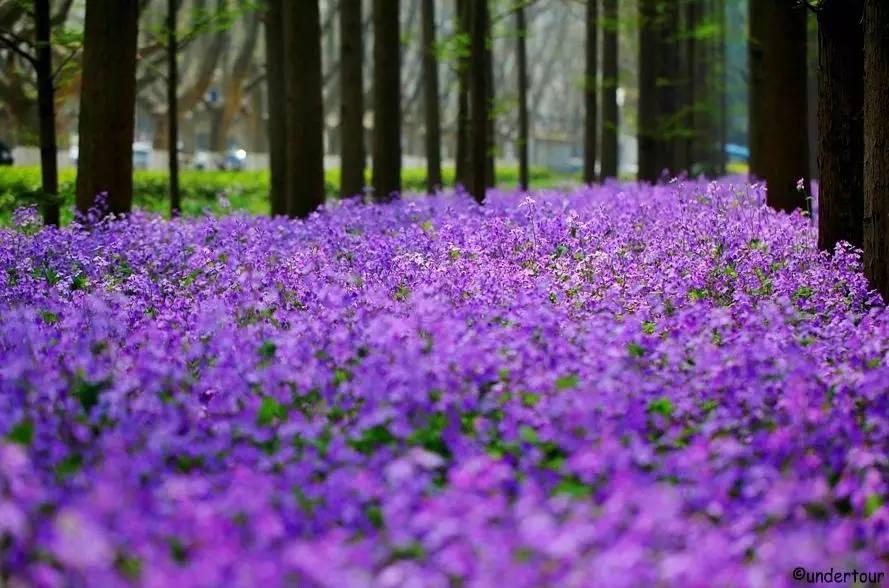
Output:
(203, 190)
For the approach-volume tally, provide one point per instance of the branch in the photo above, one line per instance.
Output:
(13, 44)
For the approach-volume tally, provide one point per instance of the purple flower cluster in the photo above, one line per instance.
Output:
(618, 386)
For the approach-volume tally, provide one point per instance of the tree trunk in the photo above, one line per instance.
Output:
(478, 82)
(648, 97)
(107, 105)
(277, 105)
(387, 101)
(352, 99)
(610, 147)
(589, 91)
(305, 114)
(490, 160)
(522, 75)
(686, 47)
(876, 145)
(461, 157)
(669, 135)
(430, 94)
(47, 113)
(778, 130)
(173, 105)
(840, 118)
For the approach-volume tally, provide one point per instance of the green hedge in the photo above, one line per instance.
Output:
(247, 190)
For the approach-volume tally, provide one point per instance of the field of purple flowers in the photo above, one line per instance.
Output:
(616, 386)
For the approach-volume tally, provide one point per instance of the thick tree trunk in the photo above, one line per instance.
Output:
(387, 101)
(430, 96)
(522, 75)
(876, 145)
(47, 113)
(840, 118)
(778, 130)
(668, 83)
(610, 147)
(480, 107)
(107, 104)
(461, 158)
(352, 153)
(173, 105)
(591, 113)
(305, 114)
(648, 91)
(277, 105)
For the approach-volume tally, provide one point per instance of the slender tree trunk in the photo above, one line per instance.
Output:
(610, 147)
(876, 145)
(277, 105)
(173, 105)
(47, 113)
(648, 91)
(478, 82)
(668, 84)
(722, 91)
(778, 129)
(490, 160)
(840, 117)
(686, 47)
(387, 101)
(352, 153)
(430, 95)
(522, 75)
(461, 163)
(107, 104)
(591, 112)
(305, 114)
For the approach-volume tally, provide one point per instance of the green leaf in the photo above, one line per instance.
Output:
(635, 350)
(267, 350)
(529, 435)
(573, 487)
(662, 405)
(566, 382)
(872, 504)
(269, 410)
(22, 433)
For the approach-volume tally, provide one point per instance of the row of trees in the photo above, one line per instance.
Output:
(853, 118)
(680, 125)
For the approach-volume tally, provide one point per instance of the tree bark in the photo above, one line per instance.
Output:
(648, 91)
(480, 107)
(841, 123)
(610, 148)
(352, 154)
(778, 130)
(669, 137)
(387, 101)
(47, 113)
(305, 114)
(591, 112)
(173, 105)
(277, 105)
(461, 163)
(522, 75)
(876, 145)
(430, 94)
(107, 105)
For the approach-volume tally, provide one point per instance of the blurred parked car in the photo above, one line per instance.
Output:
(141, 154)
(5, 154)
(202, 160)
(737, 152)
(234, 160)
